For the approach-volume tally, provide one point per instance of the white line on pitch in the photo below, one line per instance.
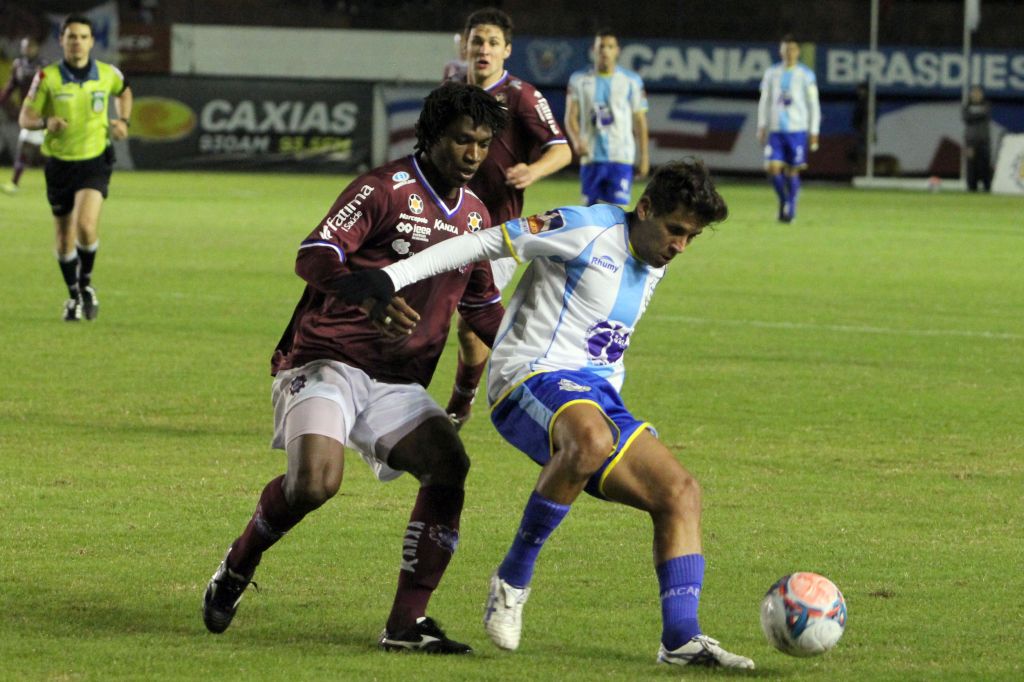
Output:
(858, 329)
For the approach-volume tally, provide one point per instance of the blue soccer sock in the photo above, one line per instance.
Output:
(793, 182)
(540, 518)
(680, 581)
(780, 185)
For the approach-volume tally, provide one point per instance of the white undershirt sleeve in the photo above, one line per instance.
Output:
(450, 254)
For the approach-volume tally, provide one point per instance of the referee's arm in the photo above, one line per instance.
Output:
(123, 104)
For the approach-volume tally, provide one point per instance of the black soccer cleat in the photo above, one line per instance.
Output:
(425, 636)
(72, 310)
(223, 593)
(90, 303)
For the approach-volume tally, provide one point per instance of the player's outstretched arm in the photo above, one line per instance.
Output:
(449, 255)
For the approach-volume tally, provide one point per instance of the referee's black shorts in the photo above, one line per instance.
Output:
(64, 178)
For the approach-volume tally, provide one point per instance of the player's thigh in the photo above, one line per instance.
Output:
(582, 433)
(402, 429)
(88, 204)
(432, 452)
(649, 477)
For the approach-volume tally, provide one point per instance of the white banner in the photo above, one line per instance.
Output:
(1009, 174)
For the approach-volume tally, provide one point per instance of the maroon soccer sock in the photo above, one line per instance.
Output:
(271, 520)
(429, 542)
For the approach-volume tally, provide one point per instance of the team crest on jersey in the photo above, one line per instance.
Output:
(566, 385)
(475, 221)
(415, 204)
(542, 222)
(445, 537)
(401, 246)
(607, 341)
(298, 383)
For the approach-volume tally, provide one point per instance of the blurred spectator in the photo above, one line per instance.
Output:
(977, 115)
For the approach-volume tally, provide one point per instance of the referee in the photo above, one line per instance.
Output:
(70, 100)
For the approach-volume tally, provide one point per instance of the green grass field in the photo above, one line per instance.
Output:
(848, 389)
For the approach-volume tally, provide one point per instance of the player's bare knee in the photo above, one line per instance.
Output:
(680, 496)
(448, 466)
(584, 456)
(308, 490)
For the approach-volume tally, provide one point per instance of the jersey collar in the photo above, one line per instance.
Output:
(448, 212)
(495, 84)
(67, 76)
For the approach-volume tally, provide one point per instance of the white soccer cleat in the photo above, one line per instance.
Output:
(503, 615)
(703, 651)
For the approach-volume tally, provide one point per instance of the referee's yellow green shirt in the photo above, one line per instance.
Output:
(84, 104)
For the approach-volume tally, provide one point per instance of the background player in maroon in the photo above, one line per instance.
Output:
(531, 148)
(348, 377)
(23, 70)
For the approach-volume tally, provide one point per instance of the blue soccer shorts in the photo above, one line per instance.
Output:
(787, 148)
(608, 182)
(525, 416)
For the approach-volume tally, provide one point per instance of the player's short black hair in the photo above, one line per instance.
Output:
(452, 100)
(75, 19)
(789, 38)
(606, 32)
(491, 16)
(686, 182)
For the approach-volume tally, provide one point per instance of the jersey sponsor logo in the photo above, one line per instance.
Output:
(446, 538)
(401, 179)
(445, 227)
(413, 218)
(346, 216)
(297, 384)
(607, 341)
(567, 385)
(605, 262)
(542, 222)
(543, 110)
(421, 233)
(475, 221)
(405, 228)
(415, 204)
(401, 246)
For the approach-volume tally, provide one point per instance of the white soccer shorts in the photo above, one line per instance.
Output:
(371, 416)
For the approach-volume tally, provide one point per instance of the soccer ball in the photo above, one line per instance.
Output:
(803, 614)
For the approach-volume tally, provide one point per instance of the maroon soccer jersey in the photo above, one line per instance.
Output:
(532, 127)
(387, 214)
(23, 70)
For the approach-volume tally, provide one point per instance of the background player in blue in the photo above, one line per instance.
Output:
(606, 121)
(554, 380)
(788, 114)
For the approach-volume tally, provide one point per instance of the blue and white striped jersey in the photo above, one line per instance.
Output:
(606, 104)
(789, 100)
(577, 303)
